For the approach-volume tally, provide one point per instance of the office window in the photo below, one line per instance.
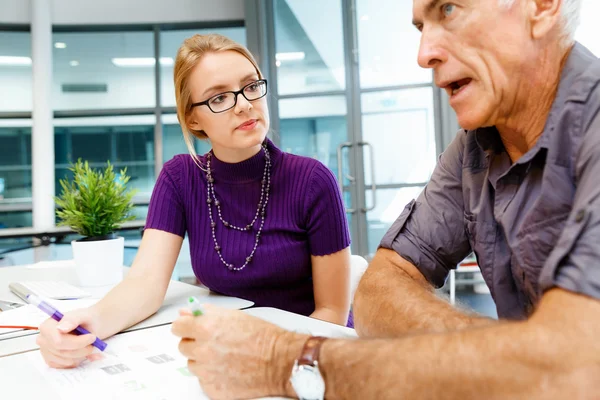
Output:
(173, 142)
(15, 71)
(14, 219)
(400, 126)
(125, 141)
(388, 205)
(170, 41)
(309, 46)
(103, 70)
(314, 127)
(388, 44)
(15, 173)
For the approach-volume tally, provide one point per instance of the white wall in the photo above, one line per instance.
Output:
(82, 12)
(589, 31)
(15, 12)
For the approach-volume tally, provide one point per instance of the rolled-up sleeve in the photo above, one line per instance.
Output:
(574, 264)
(430, 231)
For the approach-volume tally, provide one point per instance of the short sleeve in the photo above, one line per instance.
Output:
(166, 211)
(430, 231)
(326, 221)
(574, 264)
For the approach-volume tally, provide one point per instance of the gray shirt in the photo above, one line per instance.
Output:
(533, 224)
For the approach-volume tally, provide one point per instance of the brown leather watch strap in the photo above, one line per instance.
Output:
(310, 351)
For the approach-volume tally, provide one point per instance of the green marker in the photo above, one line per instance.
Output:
(195, 306)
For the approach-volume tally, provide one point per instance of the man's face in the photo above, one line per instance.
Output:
(478, 50)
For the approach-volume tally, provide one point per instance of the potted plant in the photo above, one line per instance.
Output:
(94, 204)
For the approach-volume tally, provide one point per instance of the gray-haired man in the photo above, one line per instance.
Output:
(520, 186)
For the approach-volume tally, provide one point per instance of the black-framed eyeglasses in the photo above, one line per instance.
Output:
(227, 100)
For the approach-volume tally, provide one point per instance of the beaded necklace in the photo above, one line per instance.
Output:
(260, 210)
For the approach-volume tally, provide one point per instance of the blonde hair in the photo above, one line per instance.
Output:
(188, 56)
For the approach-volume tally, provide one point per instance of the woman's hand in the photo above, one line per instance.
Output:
(62, 349)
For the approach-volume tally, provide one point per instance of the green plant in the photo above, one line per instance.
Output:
(94, 203)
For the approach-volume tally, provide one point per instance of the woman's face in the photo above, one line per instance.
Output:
(235, 134)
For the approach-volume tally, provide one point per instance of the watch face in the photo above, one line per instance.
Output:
(308, 383)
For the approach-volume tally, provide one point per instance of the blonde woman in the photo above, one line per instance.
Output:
(263, 225)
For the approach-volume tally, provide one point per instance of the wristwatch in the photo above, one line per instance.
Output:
(306, 378)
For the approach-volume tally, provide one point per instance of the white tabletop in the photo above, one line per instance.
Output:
(176, 297)
(21, 379)
(301, 324)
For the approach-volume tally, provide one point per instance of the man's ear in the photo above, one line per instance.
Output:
(544, 16)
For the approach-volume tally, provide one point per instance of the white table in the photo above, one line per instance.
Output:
(22, 381)
(301, 324)
(176, 298)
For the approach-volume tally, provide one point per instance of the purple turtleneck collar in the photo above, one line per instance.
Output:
(248, 170)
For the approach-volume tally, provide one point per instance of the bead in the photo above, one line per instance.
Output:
(260, 210)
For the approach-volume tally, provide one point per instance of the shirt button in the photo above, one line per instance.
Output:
(580, 216)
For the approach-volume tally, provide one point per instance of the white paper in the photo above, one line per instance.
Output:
(29, 315)
(144, 364)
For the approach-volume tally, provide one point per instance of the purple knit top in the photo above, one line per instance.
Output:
(305, 216)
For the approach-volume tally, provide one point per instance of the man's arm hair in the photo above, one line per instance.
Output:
(394, 298)
(553, 355)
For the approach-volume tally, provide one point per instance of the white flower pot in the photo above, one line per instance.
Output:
(100, 262)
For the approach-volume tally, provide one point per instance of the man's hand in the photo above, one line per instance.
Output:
(232, 353)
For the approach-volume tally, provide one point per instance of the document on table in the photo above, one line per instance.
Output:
(29, 315)
(144, 364)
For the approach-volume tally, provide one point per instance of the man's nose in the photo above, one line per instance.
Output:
(431, 53)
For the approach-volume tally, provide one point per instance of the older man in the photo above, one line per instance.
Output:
(519, 186)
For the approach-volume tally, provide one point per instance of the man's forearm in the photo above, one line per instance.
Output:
(492, 363)
(551, 356)
(390, 302)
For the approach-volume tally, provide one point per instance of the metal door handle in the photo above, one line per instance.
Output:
(341, 174)
(373, 184)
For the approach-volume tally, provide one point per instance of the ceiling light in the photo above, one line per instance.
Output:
(278, 63)
(141, 61)
(16, 61)
(74, 63)
(60, 45)
(292, 56)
